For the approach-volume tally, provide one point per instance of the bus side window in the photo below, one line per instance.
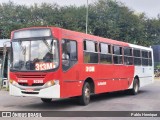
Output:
(137, 57)
(117, 54)
(128, 57)
(105, 53)
(150, 59)
(69, 54)
(90, 51)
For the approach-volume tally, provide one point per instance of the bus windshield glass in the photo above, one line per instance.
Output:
(34, 55)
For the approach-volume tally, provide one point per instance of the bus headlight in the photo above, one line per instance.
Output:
(51, 83)
(13, 82)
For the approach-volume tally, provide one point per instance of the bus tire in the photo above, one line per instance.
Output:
(46, 100)
(135, 88)
(85, 97)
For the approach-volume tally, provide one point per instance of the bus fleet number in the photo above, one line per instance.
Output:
(90, 69)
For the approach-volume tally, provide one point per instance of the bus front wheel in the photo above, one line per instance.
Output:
(46, 100)
(85, 97)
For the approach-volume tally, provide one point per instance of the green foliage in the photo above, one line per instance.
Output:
(157, 65)
(107, 18)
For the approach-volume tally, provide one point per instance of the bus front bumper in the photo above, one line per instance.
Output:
(49, 92)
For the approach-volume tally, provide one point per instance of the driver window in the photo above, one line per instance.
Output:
(69, 53)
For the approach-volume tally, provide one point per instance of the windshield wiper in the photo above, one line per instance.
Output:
(23, 49)
(48, 46)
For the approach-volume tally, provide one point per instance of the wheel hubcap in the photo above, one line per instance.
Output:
(136, 88)
(87, 93)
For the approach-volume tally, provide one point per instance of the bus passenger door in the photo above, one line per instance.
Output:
(69, 67)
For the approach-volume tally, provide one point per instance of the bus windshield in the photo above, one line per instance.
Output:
(35, 55)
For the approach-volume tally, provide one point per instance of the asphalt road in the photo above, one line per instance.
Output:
(148, 99)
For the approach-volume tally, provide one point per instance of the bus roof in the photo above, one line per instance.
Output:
(75, 34)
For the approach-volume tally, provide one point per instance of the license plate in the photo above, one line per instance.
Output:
(29, 90)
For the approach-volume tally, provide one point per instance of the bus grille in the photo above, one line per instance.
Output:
(31, 76)
(34, 84)
(30, 92)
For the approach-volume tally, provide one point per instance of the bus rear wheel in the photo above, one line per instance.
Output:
(46, 100)
(85, 97)
(135, 88)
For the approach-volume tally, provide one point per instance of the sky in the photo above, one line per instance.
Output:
(150, 7)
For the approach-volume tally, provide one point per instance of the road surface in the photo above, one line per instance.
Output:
(148, 99)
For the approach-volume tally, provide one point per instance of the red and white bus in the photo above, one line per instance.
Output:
(51, 62)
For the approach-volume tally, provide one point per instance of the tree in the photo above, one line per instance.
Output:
(116, 21)
(107, 18)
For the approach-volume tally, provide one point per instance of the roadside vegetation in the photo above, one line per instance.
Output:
(107, 18)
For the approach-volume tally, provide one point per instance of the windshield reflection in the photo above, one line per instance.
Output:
(34, 55)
